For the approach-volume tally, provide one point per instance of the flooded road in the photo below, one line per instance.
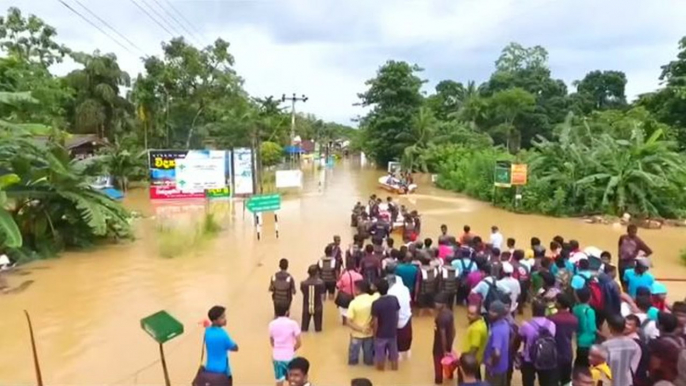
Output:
(86, 306)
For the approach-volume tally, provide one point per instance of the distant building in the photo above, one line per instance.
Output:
(80, 146)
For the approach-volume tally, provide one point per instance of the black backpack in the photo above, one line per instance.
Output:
(543, 352)
(494, 293)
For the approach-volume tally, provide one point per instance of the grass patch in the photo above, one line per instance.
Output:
(175, 239)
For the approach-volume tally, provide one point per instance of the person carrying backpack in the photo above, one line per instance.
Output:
(539, 355)
(490, 290)
(463, 266)
(282, 287)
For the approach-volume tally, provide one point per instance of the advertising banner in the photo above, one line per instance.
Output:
(519, 174)
(502, 176)
(242, 168)
(180, 174)
(289, 179)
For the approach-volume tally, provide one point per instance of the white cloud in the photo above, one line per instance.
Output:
(326, 49)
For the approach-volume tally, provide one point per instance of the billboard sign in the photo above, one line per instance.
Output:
(180, 174)
(242, 167)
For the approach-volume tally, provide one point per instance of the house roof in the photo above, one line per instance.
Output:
(73, 140)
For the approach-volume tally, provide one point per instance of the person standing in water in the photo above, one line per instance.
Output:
(630, 246)
(314, 291)
(385, 311)
(218, 343)
(329, 270)
(444, 336)
(336, 251)
(359, 319)
(284, 337)
(346, 288)
(282, 287)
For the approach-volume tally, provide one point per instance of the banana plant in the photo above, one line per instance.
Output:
(10, 236)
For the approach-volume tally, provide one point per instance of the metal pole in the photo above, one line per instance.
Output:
(36, 365)
(258, 225)
(167, 382)
(276, 224)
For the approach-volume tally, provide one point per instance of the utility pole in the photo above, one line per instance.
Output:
(293, 99)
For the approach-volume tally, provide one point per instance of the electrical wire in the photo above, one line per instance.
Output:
(151, 18)
(110, 27)
(96, 26)
(191, 25)
(161, 17)
(190, 34)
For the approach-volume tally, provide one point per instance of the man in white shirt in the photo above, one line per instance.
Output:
(512, 284)
(496, 239)
(402, 293)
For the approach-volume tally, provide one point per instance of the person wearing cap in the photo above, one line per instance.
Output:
(444, 335)
(512, 284)
(638, 276)
(497, 353)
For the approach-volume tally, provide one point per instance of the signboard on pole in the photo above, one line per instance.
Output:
(178, 174)
(197, 174)
(242, 168)
(519, 174)
(289, 179)
(502, 176)
(264, 203)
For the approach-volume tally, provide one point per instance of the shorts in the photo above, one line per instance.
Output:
(385, 348)
(280, 370)
(330, 287)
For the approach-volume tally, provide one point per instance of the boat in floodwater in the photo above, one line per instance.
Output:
(394, 185)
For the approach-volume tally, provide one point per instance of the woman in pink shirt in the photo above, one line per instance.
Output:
(346, 287)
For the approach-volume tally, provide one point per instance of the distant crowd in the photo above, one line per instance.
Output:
(586, 328)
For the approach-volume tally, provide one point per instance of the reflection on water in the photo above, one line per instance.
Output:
(86, 306)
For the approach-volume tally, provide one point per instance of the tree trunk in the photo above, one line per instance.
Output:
(190, 131)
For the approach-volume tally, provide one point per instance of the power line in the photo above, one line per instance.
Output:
(110, 27)
(191, 25)
(151, 18)
(96, 26)
(150, 7)
(190, 34)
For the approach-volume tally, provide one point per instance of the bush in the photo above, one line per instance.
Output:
(270, 153)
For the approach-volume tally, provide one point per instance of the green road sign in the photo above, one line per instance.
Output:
(264, 203)
(161, 326)
(502, 176)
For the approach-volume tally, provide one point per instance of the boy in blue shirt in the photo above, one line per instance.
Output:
(639, 276)
(218, 343)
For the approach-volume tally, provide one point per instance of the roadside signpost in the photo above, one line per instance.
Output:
(508, 174)
(162, 327)
(264, 203)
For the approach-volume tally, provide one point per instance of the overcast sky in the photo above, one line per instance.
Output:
(326, 49)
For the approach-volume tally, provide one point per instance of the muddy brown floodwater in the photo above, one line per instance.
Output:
(86, 306)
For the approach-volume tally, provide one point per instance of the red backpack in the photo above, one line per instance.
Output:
(597, 299)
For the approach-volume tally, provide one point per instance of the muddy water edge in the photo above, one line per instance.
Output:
(86, 306)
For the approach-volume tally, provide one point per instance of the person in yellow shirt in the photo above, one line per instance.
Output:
(359, 319)
(600, 370)
(477, 335)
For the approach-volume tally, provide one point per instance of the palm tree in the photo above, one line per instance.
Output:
(423, 126)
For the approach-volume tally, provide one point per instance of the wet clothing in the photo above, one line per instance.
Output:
(370, 267)
(329, 272)
(445, 322)
(313, 290)
(385, 310)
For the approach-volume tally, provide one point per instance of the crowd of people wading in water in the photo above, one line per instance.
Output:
(585, 328)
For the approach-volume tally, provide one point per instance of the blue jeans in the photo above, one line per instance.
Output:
(367, 345)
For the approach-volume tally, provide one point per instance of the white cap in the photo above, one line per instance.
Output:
(508, 268)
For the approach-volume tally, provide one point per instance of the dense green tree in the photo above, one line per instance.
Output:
(271, 153)
(30, 39)
(394, 97)
(669, 102)
(506, 108)
(600, 90)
